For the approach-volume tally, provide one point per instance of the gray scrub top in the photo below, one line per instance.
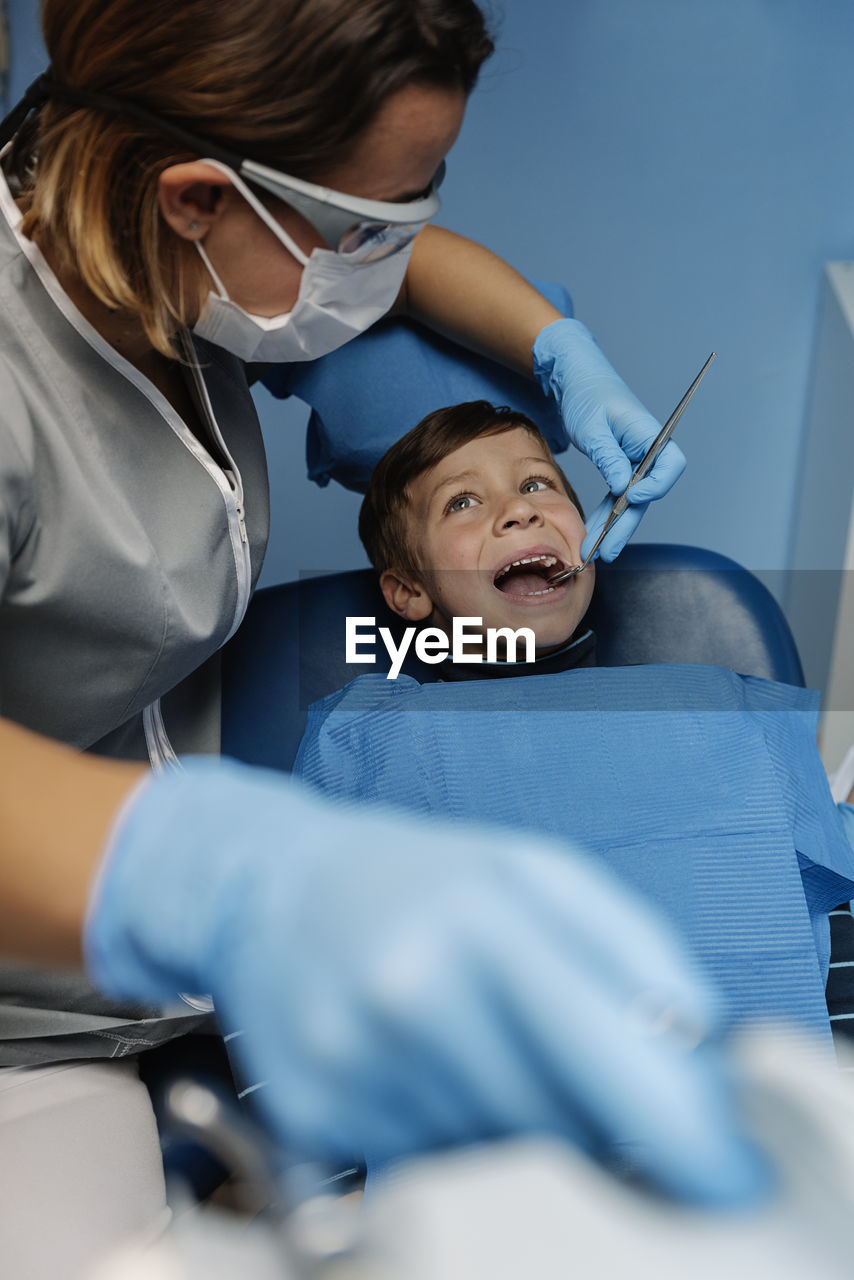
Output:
(129, 549)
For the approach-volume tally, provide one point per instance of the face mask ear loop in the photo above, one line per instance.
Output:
(263, 213)
(220, 287)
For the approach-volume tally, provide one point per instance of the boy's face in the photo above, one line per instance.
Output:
(491, 503)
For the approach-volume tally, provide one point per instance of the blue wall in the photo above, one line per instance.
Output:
(686, 169)
(27, 54)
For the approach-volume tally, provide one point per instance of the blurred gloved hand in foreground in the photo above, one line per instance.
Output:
(607, 422)
(403, 985)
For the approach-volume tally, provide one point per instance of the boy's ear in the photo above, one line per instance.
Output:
(405, 596)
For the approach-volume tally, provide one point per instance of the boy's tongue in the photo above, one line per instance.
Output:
(517, 583)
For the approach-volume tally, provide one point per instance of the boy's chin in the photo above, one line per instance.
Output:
(547, 639)
(550, 634)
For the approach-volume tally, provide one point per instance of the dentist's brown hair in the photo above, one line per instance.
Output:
(289, 83)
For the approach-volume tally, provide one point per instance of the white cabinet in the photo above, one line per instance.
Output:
(820, 595)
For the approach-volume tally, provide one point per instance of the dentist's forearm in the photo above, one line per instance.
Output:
(56, 809)
(467, 293)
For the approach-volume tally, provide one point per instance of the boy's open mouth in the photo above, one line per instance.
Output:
(528, 576)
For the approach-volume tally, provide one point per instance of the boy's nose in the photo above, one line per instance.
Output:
(519, 513)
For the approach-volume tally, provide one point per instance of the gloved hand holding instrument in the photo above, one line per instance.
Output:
(607, 422)
(621, 505)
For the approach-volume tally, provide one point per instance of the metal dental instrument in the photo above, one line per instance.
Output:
(643, 470)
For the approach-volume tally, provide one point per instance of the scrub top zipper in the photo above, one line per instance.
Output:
(242, 559)
(160, 750)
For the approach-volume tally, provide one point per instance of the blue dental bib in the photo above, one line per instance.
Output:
(701, 788)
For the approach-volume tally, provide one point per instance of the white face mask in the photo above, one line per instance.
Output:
(337, 300)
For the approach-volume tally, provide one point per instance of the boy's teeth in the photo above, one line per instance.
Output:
(547, 561)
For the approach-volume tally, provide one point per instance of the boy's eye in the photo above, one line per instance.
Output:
(534, 484)
(461, 502)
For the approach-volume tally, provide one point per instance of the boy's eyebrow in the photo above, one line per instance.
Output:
(542, 461)
(457, 479)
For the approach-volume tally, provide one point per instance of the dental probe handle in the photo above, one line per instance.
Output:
(642, 470)
(649, 458)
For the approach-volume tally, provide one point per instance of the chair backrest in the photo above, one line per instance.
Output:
(658, 603)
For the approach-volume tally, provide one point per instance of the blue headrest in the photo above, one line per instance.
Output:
(658, 603)
(369, 393)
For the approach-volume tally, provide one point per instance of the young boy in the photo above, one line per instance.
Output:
(467, 516)
(702, 788)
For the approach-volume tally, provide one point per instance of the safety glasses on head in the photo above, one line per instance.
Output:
(362, 230)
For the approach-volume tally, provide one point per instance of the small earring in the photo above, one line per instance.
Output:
(193, 226)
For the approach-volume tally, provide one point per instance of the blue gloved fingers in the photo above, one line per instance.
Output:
(444, 1062)
(597, 407)
(667, 470)
(376, 1094)
(431, 1065)
(603, 419)
(473, 1046)
(389, 1066)
(668, 467)
(406, 1045)
(620, 533)
(491, 1073)
(421, 1065)
(598, 442)
(617, 536)
(336, 1086)
(436, 1074)
(553, 1036)
(651, 1094)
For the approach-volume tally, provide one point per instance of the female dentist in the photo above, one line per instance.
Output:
(191, 187)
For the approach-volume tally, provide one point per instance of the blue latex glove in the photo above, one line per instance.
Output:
(607, 422)
(403, 985)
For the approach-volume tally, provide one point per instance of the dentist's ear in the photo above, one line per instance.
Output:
(405, 596)
(192, 197)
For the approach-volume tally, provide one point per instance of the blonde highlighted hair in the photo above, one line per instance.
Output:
(289, 83)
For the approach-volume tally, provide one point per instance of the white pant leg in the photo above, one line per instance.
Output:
(80, 1167)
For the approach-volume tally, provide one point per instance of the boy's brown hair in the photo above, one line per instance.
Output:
(382, 519)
